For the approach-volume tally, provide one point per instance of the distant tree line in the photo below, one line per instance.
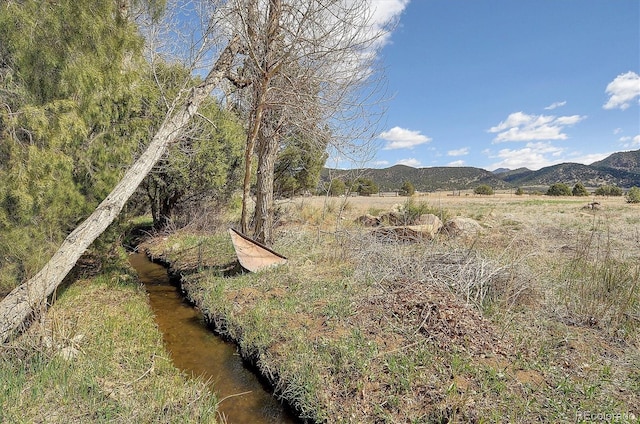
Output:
(362, 186)
(366, 187)
(562, 189)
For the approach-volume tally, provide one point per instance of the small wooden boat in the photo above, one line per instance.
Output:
(254, 256)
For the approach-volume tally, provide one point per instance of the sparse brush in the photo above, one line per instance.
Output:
(600, 290)
(413, 209)
(476, 279)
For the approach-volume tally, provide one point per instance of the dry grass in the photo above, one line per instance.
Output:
(535, 318)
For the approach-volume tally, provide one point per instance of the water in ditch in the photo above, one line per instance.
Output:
(197, 351)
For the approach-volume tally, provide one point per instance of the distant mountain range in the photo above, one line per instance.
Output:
(621, 169)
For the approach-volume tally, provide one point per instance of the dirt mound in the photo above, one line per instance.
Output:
(438, 315)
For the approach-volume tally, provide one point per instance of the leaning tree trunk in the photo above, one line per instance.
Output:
(18, 305)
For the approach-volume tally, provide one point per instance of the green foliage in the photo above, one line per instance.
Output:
(337, 187)
(519, 191)
(633, 195)
(72, 119)
(579, 190)
(483, 189)
(364, 186)
(203, 165)
(407, 189)
(298, 166)
(607, 190)
(559, 189)
(412, 210)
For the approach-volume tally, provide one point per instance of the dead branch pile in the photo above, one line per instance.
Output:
(467, 273)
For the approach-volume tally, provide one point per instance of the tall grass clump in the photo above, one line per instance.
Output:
(601, 290)
(412, 210)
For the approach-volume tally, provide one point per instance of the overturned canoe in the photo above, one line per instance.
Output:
(254, 256)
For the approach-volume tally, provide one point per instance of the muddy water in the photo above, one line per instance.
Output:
(196, 350)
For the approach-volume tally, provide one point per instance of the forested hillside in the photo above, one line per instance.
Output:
(620, 169)
(424, 179)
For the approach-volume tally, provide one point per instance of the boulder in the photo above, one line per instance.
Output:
(430, 222)
(461, 226)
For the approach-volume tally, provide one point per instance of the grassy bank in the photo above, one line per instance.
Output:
(535, 318)
(97, 356)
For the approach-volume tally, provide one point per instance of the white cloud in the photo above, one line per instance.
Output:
(456, 163)
(630, 142)
(401, 138)
(520, 126)
(458, 152)
(555, 105)
(617, 131)
(622, 91)
(387, 10)
(384, 13)
(569, 120)
(413, 162)
(590, 158)
(379, 163)
(533, 156)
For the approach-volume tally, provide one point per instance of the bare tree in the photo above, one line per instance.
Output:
(309, 65)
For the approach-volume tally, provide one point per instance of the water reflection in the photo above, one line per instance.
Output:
(196, 350)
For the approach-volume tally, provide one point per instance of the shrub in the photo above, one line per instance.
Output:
(608, 190)
(483, 189)
(579, 190)
(412, 211)
(364, 186)
(633, 195)
(407, 189)
(337, 187)
(519, 191)
(559, 189)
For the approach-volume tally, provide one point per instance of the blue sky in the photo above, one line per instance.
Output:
(506, 83)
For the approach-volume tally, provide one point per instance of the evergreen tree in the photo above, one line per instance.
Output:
(579, 190)
(633, 195)
(69, 77)
(407, 189)
(607, 190)
(337, 187)
(364, 186)
(483, 189)
(299, 164)
(559, 189)
(201, 168)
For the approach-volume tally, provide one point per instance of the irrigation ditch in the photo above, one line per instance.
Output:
(196, 349)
